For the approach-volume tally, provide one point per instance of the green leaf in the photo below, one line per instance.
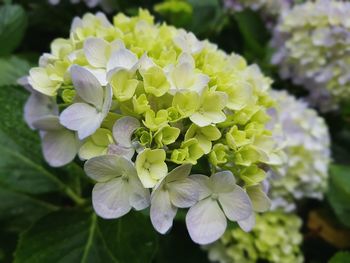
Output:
(254, 33)
(208, 17)
(13, 23)
(339, 192)
(21, 165)
(73, 236)
(340, 257)
(18, 211)
(11, 69)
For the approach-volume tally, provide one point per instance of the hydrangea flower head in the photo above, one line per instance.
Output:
(312, 44)
(142, 103)
(275, 238)
(305, 140)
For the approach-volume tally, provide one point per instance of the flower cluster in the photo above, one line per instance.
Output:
(313, 48)
(105, 4)
(275, 238)
(269, 10)
(305, 140)
(143, 103)
(272, 7)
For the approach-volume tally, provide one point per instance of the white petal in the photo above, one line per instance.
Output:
(223, 182)
(48, 123)
(260, 201)
(204, 185)
(106, 167)
(123, 130)
(59, 147)
(186, 58)
(87, 86)
(82, 118)
(111, 199)
(100, 74)
(145, 63)
(200, 119)
(37, 106)
(122, 58)
(206, 222)
(236, 204)
(128, 153)
(107, 101)
(183, 193)
(247, 224)
(162, 211)
(95, 50)
(139, 196)
(180, 172)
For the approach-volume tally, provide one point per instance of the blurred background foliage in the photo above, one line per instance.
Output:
(43, 211)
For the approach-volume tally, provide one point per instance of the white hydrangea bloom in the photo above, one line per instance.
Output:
(269, 10)
(107, 5)
(305, 138)
(312, 44)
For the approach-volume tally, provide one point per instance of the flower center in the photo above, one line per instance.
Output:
(214, 196)
(147, 165)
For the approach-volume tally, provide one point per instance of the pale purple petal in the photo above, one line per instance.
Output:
(206, 222)
(59, 147)
(105, 167)
(87, 86)
(183, 193)
(260, 201)
(111, 199)
(247, 224)
(95, 50)
(107, 101)
(180, 172)
(48, 123)
(122, 58)
(123, 129)
(162, 211)
(82, 118)
(128, 153)
(204, 185)
(223, 182)
(38, 106)
(139, 196)
(236, 204)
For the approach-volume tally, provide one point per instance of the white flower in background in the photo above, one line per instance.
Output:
(86, 116)
(106, 5)
(118, 188)
(312, 43)
(176, 190)
(305, 140)
(270, 10)
(219, 197)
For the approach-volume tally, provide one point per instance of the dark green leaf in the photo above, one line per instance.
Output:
(254, 33)
(13, 23)
(339, 192)
(340, 257)
(11, 69)
(19, 211)
(208, 17)
(73, 236)
(21, 165)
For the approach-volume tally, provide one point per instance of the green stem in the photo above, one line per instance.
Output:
(66, 189)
